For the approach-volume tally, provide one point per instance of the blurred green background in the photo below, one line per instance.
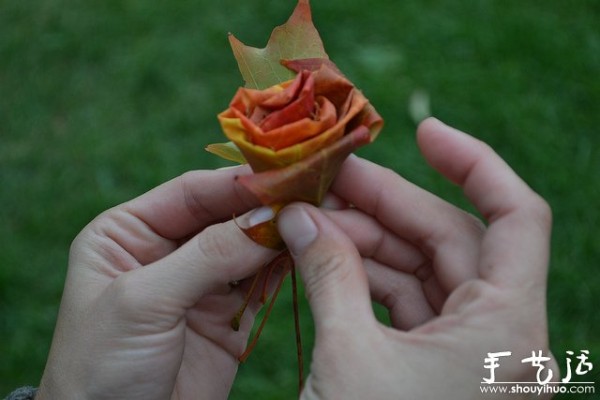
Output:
(103, 100)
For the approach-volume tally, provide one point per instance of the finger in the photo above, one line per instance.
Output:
(450, 237)
(404, 265)
(206, 264)
(402, 294)
(192, 201)
(516, 245)
(333, 202)
(376, 242)
(336, 283)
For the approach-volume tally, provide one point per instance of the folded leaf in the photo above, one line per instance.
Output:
(228, 151)
(307, 180)
(266, 233)
(297, 38)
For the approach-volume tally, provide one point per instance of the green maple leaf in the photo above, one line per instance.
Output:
(296, 39)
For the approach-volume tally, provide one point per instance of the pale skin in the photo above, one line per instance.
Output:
(147, 302)
(455, 288)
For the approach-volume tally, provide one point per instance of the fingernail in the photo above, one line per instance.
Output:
(260, 215)
(297, 229)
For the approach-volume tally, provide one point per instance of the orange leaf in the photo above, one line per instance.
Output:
(307, 180)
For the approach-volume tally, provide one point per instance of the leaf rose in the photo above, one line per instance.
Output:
(287, 123)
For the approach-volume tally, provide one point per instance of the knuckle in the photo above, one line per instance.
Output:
(132, 298)
(126, 295)
(474, 224)
(537, 211)
(214, 245)
(467, 225)
(326, 269)
(541, 211)
(192, 196)
(458, 230)
(473, 293)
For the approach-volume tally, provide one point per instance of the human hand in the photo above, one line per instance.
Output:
(455, 289)
(147, 303)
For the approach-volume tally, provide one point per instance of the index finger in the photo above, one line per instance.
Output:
(515, 249)
(192, 201)
(445, 234)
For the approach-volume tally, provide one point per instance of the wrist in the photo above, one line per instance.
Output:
(53, 389)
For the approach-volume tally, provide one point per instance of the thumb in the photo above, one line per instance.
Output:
(205, 264)
(330, 265)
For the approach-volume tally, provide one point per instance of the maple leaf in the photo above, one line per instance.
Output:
(296, 39)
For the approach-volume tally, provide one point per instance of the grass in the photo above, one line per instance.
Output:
(103, 100)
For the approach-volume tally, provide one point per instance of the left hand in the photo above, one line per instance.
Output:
(147, 303)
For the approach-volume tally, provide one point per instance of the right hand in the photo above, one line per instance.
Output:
(455, 289)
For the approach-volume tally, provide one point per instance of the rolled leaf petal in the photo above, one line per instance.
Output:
(307, 180)
(297, 139)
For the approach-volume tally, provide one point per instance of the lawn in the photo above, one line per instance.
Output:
(102, 100)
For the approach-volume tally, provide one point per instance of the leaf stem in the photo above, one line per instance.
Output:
(297, 329)
(235, 322)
